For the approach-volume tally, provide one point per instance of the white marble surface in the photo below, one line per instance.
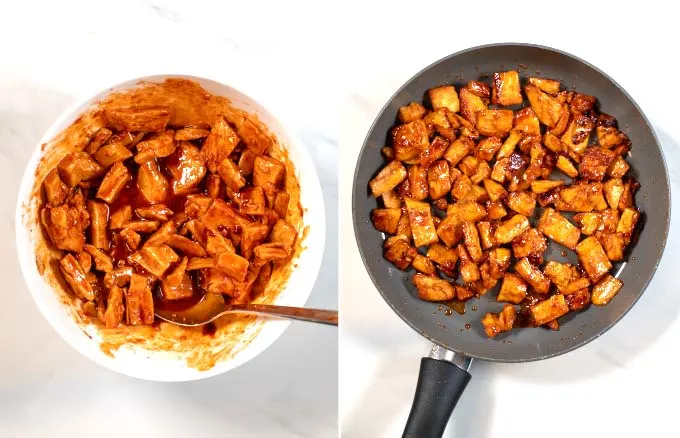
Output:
(55, 53)
(616, 386)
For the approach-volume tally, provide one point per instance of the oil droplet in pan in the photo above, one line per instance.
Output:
(467, 326)
(448, 312)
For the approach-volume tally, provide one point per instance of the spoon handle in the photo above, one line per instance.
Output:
(329, 317)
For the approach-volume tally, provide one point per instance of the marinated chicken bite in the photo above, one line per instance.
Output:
(149, 214)
(474, 192)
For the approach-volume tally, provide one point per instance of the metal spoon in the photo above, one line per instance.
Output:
(212, 306)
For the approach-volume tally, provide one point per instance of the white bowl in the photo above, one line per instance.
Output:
(167, 366)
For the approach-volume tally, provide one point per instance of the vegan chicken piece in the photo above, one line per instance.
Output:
(506, 90)
(432, 288)
(497, 323)
(136, 119)
(409, 140)
(558, 228)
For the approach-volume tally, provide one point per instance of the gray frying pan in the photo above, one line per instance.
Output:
(444, 375)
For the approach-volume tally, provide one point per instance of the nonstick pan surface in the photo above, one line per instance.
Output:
(576, 329)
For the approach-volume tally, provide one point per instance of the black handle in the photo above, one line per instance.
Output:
(440, 385)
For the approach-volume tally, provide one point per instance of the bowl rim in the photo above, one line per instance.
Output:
(314, 243)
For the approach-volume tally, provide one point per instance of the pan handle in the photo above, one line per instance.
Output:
(442, 380)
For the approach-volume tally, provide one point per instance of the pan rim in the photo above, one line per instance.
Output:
(666, 212)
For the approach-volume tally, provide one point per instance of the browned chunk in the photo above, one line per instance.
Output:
(398, 251)
(140, 118)
(618, 168)
(594, 163)
(527, 122)
(409, 140)
(114, 308)
(186, 246)
(471, 239)
(219, 144)
(522, 202)
(196, 263)
(114, 181)
(132, 238)
(77, 167)
(102, 262)
(605, 290)
(157, 212)
(102, 135)
(252, 201)
(284, 233)
(530, 243)
(65, 226)
(75, 276)
(499, 261)
(513, 290)
(495, 324)
(266, 252)
(588, 222)
(547, 108)
(494, 123)
(593, 258)
(99, 217)
(177, 291)
(579, 300)
(486, 231)
(191, 133)
(444, 97)
(549, 86)
(558, 228)
(469, 271)
(532, 275)
(423, 264)
(510, 229)
(422, 224)
(155, 259)
(187, 168)
(253, 137)
(549, 309)
(559, 273)
(120, 217)
(233, 265)
(112, 153)
(412, 111)
(445, 257)
(162, 235)
(119, 277)
(506, 90)
(144, 227)
(268, 171)
(438, 179)
(488, 147)
(628, 221)
(55, 189)
(151, 183)
(581, 198)
(231, 175)
(566, 166)
(471, 103)
(139, 301)
(431, 288)
(458, 150)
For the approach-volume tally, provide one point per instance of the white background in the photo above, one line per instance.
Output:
(53, 54)
(616, 386)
